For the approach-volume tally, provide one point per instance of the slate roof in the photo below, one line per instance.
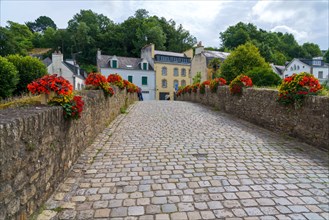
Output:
(167, 53)
(74, 70)
(123, 62)
(278, 69)
(214, 54)
(47, 61)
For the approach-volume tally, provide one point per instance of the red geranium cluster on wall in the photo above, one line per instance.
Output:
(238, 83)
(117, 80)
(72, 105)
(98, 81)
(49, 83)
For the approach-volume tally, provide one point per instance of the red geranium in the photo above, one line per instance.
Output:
(95, 79)
(238, 83)
(49, 83)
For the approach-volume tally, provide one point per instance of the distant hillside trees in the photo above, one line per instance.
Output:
(275, 47)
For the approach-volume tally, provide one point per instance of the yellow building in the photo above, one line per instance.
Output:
(171, 69)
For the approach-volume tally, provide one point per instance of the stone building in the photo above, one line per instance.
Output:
(201, 60)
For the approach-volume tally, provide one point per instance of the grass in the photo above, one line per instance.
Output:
(123, 110)
(19, 101)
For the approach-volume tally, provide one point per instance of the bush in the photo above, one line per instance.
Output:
(264, 77)
(29, 69)
(8, 78)
(294, 88)
(241, 60)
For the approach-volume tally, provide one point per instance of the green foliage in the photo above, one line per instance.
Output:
(197, 78)
(214, 65)
(241, 60)
(41, 24)
(326, 56)
(15, 38)
(311, 50)
(275, 47)
(8, 78)
(29, 69)
(89, 68)
(264, 77)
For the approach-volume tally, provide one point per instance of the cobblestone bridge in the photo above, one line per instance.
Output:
(179, 160)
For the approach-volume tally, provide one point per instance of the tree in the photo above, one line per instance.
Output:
(29, 69)
(19, 39)
(264, 77)
(326, 56)
(241, 60)
(197, 78)
(214, 65)
(41, 24)
(8, 78)
(311, 50)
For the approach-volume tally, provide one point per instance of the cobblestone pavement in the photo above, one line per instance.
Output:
(179, 160)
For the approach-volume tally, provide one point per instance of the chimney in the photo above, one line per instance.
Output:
(57, 59)
(99, 54)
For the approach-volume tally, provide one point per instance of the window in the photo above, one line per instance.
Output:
(114, 64)
(183, 73)
(176, 84)
(297, 67)
(130, 79)
(294, 66)
(175, 71)
(183, 83)
(291, 69)
(164, 83)
(145, 66)
(79, 86)
(164, 71)
(320, 75)
(144, 80)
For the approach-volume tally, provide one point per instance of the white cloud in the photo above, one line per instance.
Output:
(300, 36)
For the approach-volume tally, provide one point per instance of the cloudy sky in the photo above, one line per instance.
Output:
(308, 20)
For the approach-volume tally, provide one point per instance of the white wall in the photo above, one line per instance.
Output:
(302, 68)
(137, 79)
(325, 74)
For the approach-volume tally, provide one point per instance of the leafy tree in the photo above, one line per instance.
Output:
(8, 78)
(214, 65)
(28, 68)
(241, 60)
(311, 50)
(19, 39)
(197, 78)
(264, 77)
(326, 56)
(41, 24)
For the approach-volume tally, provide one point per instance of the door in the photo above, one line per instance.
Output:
(162, 95)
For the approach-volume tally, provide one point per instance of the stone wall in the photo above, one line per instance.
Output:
(38, 147)
(310, 123)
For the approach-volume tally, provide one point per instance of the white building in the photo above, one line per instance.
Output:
(315, 66)
(135, 70)
(67, 69)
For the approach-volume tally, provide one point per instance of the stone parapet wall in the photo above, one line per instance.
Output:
(38, 147)
(310, 123)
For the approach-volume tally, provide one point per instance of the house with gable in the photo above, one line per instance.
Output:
(171, 69)
(135, 70)
(315, 66)
(201, 59)
(68, 69)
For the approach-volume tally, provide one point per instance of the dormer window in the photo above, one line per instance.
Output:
(145, 66)
(114, 64)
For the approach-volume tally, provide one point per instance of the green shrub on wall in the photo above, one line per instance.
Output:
(29, 69)
(8, 78)
(264, 77)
